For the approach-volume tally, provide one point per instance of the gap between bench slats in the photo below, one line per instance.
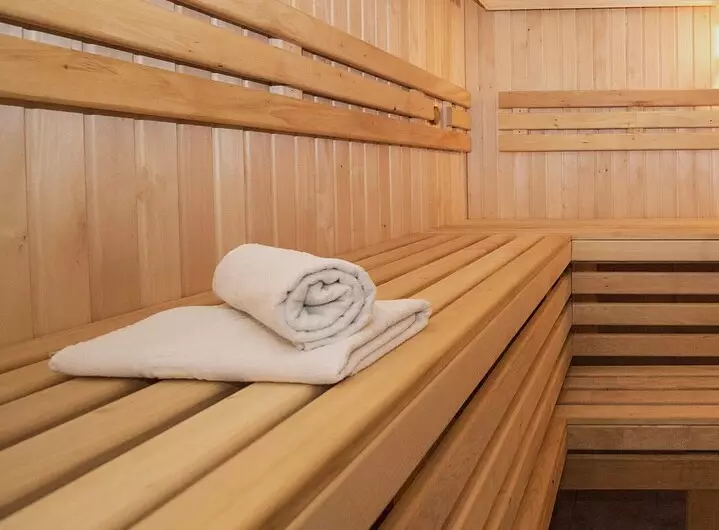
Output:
(275, 476)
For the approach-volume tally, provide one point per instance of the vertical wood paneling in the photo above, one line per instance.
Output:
(57, 214)
(103, 214)
(112, 209)
(15, 304)
(585, 50)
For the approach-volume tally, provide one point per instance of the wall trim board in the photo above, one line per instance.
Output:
(511, 5)
(51, 75)
(609, 120)
(608, 142)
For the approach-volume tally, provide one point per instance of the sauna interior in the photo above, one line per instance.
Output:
(545, 173)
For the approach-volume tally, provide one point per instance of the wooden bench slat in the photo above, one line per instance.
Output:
(433, 491)
(123, 490)
(646, 344)
(45, 462)
(397, 268)
(384, 246)
(474, 505)
(25, 353)
(641, 472)
(509, 499)
(537, 503)
(694, 414)
(646, 314)
(639, 397)
(420, 423)
(642, 383)
(273, 474)
(28, 379)
(643, 437)
(449, 289)
(377, 260)
(645, 282)
(671, 251)
(42, 410)
(645, 371)
(435, 271)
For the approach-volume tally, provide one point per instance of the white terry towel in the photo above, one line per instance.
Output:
(221, 344)
(310, 301)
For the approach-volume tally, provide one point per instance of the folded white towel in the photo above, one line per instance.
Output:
(221, 344)
(310, 301)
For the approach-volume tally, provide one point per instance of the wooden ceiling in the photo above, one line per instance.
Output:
(510, 5)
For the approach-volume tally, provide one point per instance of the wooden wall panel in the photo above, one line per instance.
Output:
(589, 49)
(103, 215)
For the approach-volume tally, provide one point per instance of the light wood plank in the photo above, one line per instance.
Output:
(126, 488)
(640, 344)
(47, 74)
(26, 353)
(646, 314)
(495, 5)
(644, 371)
(645, 251)
(46, 461)
(643, 383)
(148, 29)
(16, 323)
(473, 506)
(428, 500)
(706, 283)
(44, 409)
(432, 272)
(609, 120)
(384, 246)
(378, 260)
(538, 500)
(382, 387)
(694, 414)
(608, 142)
(639, 397)
(28, 379)
(643, 437)
(402, 266)
(459, 118)
(277, 19)
(553, 99)
(641, 472)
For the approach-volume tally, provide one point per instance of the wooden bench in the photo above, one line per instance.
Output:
(463, 409)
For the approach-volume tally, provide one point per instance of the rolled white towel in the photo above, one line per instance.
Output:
(221, 344)
(308, 300)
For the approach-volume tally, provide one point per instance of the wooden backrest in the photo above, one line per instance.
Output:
(142, 140)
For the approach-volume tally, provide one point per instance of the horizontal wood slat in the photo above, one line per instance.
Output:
(639, 414)
(706, 283)
(511, 5)
(277, 19)
(145, 28)
(612, 250)
(608, 142)
(641, 472)
(643, 397)
(643, 437)
(39, 73)
(609, 120)
(646, 314)
(557, 99)
(648, 345)
(324, 428)
(459, 118)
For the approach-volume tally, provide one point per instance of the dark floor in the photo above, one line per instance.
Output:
(619, 510)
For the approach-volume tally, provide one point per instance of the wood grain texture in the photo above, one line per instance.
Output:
(632, 57)
(495, 5)
(186, 186)
(122, 87)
